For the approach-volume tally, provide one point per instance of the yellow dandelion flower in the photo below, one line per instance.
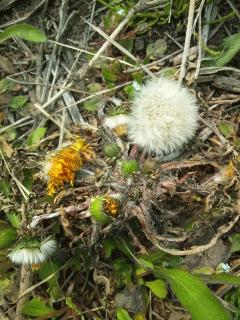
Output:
(61, 168)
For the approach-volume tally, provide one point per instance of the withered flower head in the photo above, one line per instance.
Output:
(32, 251)
(61, 167)
(104, 208)
(111, 206)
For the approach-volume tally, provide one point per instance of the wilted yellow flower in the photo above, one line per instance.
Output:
(111, 206)
(61, 168)
(121, 130)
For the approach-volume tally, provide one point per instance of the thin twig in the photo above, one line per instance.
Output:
(61, 27)
(114, 34)
(120, 47)
(91, 53)
(47, 115)
(199, 59)
(154, 63)
(187, 41)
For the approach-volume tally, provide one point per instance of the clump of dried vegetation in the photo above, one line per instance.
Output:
(91, 225)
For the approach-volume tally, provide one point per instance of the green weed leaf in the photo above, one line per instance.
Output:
(223, 278)
(7, 235)
(227, 129)
(158, 287)
(72, 305)
(235, 242)
(123, 314)
(18, 102)
(6, 84)
(228, 49)
(93, 104)
(14, 219)
(47, 269)
(36, 136)
(194, 295)
(36, 308)
(5, 187)
(24, 31)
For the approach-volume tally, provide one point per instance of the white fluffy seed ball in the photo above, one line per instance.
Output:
(164, 116)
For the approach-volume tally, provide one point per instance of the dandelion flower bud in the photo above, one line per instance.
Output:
(129, 167)
(164, 116)
(111, 150)
(32, 251)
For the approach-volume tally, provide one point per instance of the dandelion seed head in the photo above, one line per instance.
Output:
(164, 116)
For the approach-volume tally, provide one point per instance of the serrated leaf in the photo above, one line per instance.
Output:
(156, 49)
(36, 136)
(24, 31)
(93, 104)
(5, 187)
(127, 44)
(194, 295)
(227, 129)
(158, 287)
(36, 308)
(235, 242)
(6, 84)
(14, 219)
(18, 102)
(122, 314)
(229, 48)
(7, 236)
(5, 285)
(111, 72)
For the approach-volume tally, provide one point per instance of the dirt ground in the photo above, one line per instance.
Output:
(184, 210)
